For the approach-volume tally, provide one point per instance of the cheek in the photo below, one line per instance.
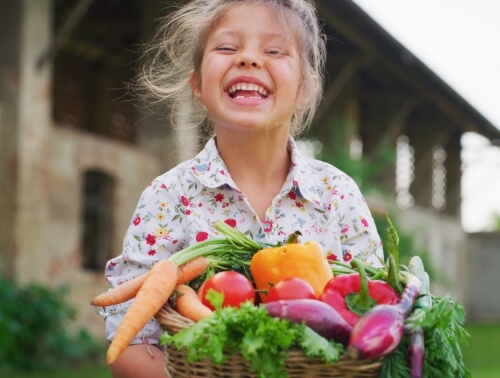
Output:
(211, 75)
(204, 88)
(288, 75)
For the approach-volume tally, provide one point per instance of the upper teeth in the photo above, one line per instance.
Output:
(248, 87)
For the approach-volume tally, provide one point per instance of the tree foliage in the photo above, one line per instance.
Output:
(34, 329)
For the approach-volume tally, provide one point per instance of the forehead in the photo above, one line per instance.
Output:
(254, 19)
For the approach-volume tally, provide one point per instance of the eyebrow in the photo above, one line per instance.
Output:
(269, 35)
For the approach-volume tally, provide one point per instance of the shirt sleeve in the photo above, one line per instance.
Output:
(149, 238)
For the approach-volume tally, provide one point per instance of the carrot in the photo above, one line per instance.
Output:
(158, 285)
(192, 269)
(120, 293)
(128, 290)
(188, 304)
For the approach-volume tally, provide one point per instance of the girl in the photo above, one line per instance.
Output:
(252, 69)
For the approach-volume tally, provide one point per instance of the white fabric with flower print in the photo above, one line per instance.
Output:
(179, 208)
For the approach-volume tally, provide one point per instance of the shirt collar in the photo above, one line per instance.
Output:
(299, 179)
(209, 168)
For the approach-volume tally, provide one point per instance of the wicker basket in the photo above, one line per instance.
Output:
(297, 364)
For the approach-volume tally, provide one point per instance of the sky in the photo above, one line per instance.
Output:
(458, 40)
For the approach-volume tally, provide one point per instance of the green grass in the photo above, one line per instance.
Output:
(482, 353)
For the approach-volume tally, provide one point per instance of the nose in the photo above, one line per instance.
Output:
(249, 59)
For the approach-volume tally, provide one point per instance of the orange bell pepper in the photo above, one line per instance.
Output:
(306, 261)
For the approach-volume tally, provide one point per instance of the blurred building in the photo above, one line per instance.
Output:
(75, 151)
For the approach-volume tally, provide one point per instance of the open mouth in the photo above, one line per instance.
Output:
(247, 90)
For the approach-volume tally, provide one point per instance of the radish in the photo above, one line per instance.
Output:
(416, 354)
(416, 349)
(379, 331)
(317, 315)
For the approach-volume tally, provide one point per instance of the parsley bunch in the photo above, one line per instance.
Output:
(262, 340)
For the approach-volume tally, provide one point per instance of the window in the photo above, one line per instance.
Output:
(405, 166)
(438, 178)
(97, 214)
(93, 66)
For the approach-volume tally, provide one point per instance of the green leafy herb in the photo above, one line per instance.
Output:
(393, 258)
(315, 345)
(395, 365)
(262, 340)
(444, 333)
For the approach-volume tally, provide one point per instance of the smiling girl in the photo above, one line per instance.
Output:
(253, 71)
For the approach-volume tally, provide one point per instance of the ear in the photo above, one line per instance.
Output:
(303, 95)
(316, 81)
(195, 83)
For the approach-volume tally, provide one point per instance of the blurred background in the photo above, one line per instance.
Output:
(76, 150)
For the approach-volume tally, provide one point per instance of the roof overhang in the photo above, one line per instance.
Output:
(379, 47)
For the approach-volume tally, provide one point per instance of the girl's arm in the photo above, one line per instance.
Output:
(140, 360)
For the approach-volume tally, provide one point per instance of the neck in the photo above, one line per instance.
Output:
(258, 165)
(264, 157)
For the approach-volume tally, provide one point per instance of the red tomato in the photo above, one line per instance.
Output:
(235, 287)
(290, 288)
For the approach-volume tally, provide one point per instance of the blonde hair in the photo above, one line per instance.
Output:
(178, 44)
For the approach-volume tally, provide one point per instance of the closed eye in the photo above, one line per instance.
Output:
(226, 48)
(275, 51)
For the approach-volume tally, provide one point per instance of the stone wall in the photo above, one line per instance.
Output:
(443, 238)
(440, 235)
(32, 218)
(73, 153)
(49, 164)
(481, 273)
(10, 16)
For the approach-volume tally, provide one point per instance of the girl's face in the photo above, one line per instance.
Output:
(250, 73)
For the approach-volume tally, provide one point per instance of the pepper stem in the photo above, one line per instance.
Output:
(293, 238)
(361, 302)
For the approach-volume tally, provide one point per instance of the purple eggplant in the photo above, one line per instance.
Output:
(317, 315)
(379, 331)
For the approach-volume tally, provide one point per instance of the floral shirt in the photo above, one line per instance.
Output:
(179, 208)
